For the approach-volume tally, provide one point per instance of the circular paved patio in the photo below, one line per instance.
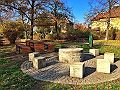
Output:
(59, 72)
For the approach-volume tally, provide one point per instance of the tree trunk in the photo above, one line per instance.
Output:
(32, 18)
(56, 29)
(107, 31)
(108, 21)
(31, 30)
(55, 13)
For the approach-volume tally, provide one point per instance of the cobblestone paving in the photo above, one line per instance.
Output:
(59, 72)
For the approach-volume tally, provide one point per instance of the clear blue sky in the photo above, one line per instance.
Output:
(79, 8)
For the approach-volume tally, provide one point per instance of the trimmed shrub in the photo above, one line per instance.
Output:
(77, 35)
(11, 35)
(100, 35)
(48, 37)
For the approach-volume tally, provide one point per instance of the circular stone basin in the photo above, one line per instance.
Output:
(70, 55)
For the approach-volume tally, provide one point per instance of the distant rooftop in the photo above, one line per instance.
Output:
(115, 12)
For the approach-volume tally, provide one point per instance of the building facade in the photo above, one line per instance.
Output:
(100, 21)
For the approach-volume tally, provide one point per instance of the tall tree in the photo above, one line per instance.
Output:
(5, 14)
(110, 5)
(59, 12)
(28, 8)
(100, 6)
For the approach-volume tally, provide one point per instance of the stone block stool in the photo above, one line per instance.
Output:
(33, 55)
(39, 62)
(77, 69)
(94, 52)
(103, 65)
(109, 56)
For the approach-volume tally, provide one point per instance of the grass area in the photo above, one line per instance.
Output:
(107, 42)
(12, 78)
(103, 48)
(113, 85)
(111, 49)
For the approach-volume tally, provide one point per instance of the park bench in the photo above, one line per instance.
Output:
(21, 48)
(35, 46)
(39, 48)
(49, 47)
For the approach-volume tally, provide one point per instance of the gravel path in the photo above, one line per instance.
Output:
(59, 72)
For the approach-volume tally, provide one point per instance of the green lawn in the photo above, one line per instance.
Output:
(112, 49)
(12, 78)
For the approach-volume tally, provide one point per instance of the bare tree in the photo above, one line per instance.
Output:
(100, 6)
(59, 12)
(5, 14)
(30, 9)
(110, 5)
(27, 8)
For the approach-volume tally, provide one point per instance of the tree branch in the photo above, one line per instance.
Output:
(17, 9)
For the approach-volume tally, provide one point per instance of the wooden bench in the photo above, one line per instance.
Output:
(35, 46)
(49, 47)
(21, 48)
(39, 48)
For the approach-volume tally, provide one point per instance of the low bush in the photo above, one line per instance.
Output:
(110, 49)
(77, 35)
(12, 30)
(117, 35)
(98, 35)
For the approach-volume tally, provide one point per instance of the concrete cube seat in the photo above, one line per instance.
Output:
(94, 52)
(39, 62)
(103, 66)
(109, 56)
(77, 69)
(33, 55)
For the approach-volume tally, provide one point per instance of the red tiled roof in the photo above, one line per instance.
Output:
(115, 12)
